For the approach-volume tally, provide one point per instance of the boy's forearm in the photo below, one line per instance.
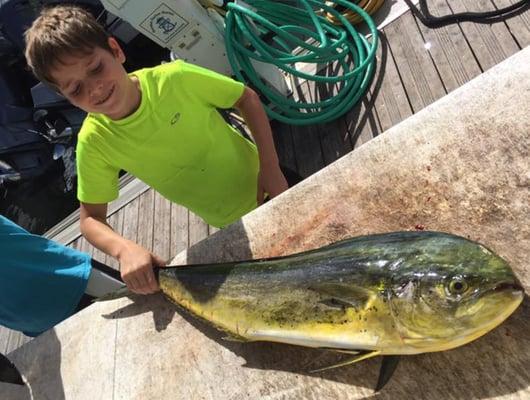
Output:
(102, 236)
(257, 121)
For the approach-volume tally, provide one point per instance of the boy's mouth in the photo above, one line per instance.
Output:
(106, 97)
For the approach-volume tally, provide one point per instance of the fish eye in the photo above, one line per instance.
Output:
(457, 285)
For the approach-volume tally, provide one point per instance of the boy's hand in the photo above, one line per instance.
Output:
(272, 182)
(136, 267)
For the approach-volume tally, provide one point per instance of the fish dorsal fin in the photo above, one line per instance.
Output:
(363, 355)
(342, 295)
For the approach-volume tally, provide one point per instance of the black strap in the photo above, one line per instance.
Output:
(486, 17)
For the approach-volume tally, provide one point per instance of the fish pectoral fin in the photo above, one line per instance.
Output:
(388, 366)
(349, 361)
(340, 295)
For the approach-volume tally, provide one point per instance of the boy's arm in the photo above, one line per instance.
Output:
(136, 262)
(270, 179)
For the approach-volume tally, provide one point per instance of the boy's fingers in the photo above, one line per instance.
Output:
(152, 284)
(132, 284)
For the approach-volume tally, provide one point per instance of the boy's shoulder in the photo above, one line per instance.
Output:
(159, 72)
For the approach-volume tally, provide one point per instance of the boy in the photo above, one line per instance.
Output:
(160, 124)
(43, 282)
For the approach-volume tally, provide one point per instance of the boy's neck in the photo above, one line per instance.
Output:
(133, 98)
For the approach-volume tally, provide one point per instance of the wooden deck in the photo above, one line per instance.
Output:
(415, 67)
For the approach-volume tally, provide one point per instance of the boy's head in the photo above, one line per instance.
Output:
(68, 49)
(59, 32)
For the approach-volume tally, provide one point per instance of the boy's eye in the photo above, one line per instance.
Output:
(76, 91)
(97, 69)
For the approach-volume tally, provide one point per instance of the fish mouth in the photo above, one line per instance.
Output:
(506, 286)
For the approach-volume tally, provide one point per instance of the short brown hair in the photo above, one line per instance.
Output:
(59, 31)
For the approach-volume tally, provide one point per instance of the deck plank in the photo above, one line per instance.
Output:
(162, 224)
(308, 152)
(448, 48)
(146, 208)
(75, 244)
(392, 105)
(361, 122)
(283, 139)
(491, 43)
(4, 337)
(198, 229)
(333, 135)
(130, 220)
(15, 340)
(420, 77)
(179, 229)
(85, 246)
(519, 25)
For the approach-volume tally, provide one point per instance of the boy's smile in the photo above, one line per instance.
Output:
(96, 82)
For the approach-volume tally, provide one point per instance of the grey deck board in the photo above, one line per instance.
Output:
(308, 152)
(146, 210)
(491, 43)
(419, 75)
(519, 25)
(309, 157)
(12, 340)
(283, 139)
(130, 220)
(178, 229)
(85, 246)
(333, 135)
(391, 104)
(212, 229)
(361, 121)
(162, 227)
(451, 53)
(198, 229)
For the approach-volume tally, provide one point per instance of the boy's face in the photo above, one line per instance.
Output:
(95, 82)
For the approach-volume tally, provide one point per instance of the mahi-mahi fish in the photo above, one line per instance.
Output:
(379, 295)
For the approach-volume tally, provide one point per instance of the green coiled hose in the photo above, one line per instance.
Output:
(297, 31)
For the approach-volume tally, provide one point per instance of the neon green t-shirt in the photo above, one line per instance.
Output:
(177, 143)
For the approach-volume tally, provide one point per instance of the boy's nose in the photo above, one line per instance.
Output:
(96, 91)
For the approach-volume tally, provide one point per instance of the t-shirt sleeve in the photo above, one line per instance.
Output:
(97, 180)
(216, 89)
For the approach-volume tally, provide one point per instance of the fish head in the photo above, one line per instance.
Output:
(450, 293)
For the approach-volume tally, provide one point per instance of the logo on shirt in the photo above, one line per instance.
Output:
(175, 118)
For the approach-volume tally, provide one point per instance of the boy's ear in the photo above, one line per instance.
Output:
(116, 49)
